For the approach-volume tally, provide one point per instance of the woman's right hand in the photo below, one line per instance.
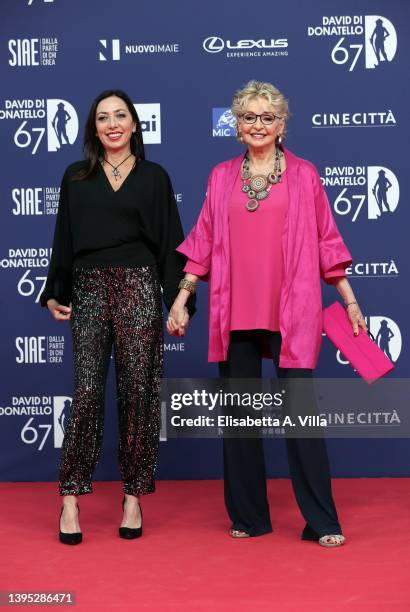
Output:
(58, 311)
(178, 319)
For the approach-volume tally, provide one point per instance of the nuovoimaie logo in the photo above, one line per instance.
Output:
(223, 122)
(112, 49)
(109, 50)
(368, 41)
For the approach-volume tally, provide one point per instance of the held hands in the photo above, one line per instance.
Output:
(355, 317)
(58, 311)
(178, 319)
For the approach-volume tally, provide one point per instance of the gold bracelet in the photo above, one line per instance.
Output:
(188, 285)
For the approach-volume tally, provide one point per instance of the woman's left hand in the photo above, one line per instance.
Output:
(356, 318)
(177, 320)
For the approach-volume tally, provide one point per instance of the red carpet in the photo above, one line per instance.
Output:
(186, 561)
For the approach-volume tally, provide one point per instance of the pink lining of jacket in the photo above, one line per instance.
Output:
(312, 248)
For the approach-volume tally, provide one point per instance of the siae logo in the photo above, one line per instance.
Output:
(150, 119)
(369, 41)
(35, 201)
(386, 333)
(28, 201)
(39, 349)
(373, 190)
(223, 122)
(112, 47)
(28, 52)
(31, 349)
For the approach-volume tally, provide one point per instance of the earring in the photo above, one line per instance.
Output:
(239, 136)
(280, 139)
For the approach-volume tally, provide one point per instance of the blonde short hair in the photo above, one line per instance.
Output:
(259, 89)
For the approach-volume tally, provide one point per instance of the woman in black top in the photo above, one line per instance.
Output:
(114, 248)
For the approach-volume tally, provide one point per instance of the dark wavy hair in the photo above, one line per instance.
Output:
(93, 149)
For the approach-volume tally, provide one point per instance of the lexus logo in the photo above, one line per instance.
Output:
(213, 44)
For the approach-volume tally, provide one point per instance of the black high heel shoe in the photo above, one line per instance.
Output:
(129, 533)
(70, 538)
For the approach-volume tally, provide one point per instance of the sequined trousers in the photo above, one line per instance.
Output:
(121, 308)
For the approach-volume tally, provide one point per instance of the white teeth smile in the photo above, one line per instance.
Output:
(114, 135)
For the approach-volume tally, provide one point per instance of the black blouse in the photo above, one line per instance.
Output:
(138, 225)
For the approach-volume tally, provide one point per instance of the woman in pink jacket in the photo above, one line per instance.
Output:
(264, 238)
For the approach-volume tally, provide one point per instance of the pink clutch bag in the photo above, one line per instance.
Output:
(362, 352)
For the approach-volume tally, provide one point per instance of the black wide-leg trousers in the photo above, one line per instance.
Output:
(244, 461)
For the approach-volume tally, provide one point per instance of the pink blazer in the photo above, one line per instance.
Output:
(312, 248)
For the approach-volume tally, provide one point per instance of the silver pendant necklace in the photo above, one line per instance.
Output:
(115, 172)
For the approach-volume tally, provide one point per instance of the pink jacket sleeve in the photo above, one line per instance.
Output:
(197, 246)
(194, 268)
(333, 253)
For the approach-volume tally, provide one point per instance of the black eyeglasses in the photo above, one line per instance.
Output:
(266, 118)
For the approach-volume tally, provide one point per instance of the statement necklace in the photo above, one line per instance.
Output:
(258, 187)
(115, 172)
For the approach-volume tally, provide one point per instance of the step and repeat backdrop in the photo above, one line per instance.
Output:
(342, 64)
